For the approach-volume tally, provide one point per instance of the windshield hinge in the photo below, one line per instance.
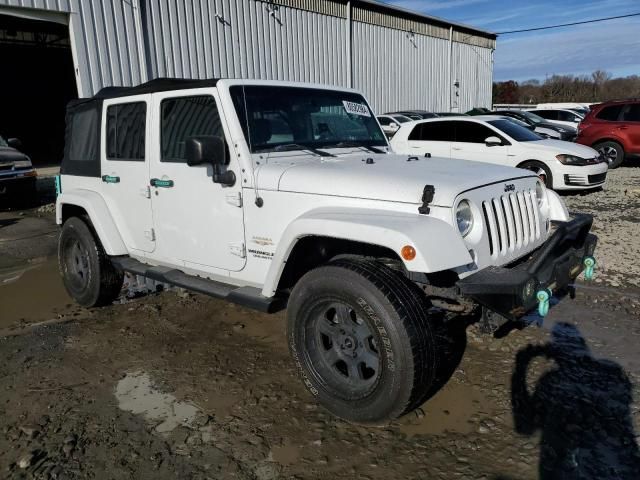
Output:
(235, 199)
(427, 198)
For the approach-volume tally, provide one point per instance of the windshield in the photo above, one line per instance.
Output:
(515, 131)
(3, 142)
(532, 117)
(274, 118)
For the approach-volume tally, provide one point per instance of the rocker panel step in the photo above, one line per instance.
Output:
(246, 296)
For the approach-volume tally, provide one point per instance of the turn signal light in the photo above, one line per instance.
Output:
(408, 252)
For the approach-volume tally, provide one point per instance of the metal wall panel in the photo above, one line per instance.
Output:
(244, 39)
(106, 39)
(402, 70)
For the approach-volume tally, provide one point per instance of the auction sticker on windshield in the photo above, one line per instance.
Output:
(356, 108)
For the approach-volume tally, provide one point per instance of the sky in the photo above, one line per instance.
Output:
(613, 46)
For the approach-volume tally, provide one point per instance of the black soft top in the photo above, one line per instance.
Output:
(82, 135)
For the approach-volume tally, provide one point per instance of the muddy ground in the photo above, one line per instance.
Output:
(175, 385)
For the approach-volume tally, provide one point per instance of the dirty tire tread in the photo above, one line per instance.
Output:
(411, 306)
(109, 278)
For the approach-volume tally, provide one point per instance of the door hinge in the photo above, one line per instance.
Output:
(237, 249)
(235, 199)
(146, 192)
(150, 235)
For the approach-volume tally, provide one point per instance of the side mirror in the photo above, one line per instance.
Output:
(14, 143)
(210, 149)
(394, 126)
(492, 142)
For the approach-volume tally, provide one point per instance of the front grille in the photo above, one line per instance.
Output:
(599, 178)
(513, 222)
(6, 166)
(575, 180)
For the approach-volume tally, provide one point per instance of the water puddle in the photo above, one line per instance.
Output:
(136, 394)
(32, 292)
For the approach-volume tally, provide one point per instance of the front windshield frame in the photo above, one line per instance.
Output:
(279, 105)
(514, 131)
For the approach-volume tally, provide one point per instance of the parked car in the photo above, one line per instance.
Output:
(561, 165)
(17, 175)
(540, 125)
(581, 108)
(557, 116)
(612, 128)
(450, 114)
(391, 123)
(191, 187)
(415, 114)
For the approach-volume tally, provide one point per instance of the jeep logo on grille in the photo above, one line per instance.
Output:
(509, 187)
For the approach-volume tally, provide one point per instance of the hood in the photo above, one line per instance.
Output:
(11, 155)
(556, 147)
(387, 177)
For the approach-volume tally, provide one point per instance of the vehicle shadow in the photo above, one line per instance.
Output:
(581, 406)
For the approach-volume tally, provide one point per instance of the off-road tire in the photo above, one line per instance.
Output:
(87, 273)
(396, 313)
(606, 148)
(540, 169)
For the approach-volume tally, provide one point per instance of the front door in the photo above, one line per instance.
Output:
(125, 170)
(197, 223)
(470, 144)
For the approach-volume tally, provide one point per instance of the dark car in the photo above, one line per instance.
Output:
(540, 125)
(612, 128)
(415, 114)
(17, 175)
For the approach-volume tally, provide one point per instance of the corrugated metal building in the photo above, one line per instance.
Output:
(398, 58)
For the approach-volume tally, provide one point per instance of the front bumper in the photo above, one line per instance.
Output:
(511, 290)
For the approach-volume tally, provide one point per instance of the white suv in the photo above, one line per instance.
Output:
(273, 194)
(499, 140)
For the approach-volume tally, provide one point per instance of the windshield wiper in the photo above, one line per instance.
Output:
(289, 147)
(349, 144)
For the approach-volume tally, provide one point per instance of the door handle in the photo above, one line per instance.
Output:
(156, 182)
(110, 179)
(456, 148)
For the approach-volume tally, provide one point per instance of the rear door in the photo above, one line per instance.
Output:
(431, 137)
(125, 170)
(198, 223)
(470, 144)
(630, 128)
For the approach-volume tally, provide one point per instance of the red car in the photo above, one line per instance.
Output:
(612, 128)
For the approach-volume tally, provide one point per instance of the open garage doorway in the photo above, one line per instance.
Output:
(36, 83)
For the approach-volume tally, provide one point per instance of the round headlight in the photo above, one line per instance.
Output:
(540, 193)
(464, 217)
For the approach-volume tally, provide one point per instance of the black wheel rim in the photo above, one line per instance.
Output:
(77, 264)
(609, 153)
(343, 349)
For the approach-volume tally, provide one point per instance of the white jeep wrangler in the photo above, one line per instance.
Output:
(273, 195)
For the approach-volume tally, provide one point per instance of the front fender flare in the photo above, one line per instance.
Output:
(438, 245)
(100, 217)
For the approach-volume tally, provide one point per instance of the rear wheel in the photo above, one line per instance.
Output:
(540, 169)
(612, 152)
(87, 273)
(360, 335)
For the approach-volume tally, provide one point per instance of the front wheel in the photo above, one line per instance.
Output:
(87, 273)
(540, 169)
(361, 339)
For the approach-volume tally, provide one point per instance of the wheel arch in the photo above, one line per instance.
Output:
(613, 139)
(322, 234)
(85, 202)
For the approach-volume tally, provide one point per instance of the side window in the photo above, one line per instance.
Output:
(126, 124)
(632, 114)
(433, 132)
(384, 121)
(471, 132)
(611, 113)
(184, 117)
(568, 116)
(549, 114)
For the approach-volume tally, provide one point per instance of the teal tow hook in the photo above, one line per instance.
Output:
(589, 263)
(543, 297)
